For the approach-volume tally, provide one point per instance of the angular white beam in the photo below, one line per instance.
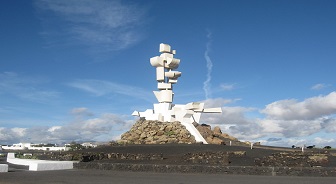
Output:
(213, 110)
(193, 131)
(135, 113)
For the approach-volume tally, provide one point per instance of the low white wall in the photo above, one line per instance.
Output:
(40, 165)
(50, 165)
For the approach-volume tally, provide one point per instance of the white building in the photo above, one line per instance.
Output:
(88, 145)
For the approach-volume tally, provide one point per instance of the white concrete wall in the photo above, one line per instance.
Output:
(44, 165)
(40, 165)
(3, 168)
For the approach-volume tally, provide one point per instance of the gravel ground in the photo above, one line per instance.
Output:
(173, 152)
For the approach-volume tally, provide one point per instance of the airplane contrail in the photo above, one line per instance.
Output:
(207, 82)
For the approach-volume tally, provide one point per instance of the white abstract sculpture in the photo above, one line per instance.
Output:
(165, 110)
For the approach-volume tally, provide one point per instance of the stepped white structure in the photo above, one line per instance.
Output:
(40, 165)
(165, 110)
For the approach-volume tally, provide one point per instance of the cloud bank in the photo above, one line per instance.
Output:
(308, 109)
(284, 122)
(84, 126)
(282, 129)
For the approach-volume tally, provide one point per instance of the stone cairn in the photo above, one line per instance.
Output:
(157, 132)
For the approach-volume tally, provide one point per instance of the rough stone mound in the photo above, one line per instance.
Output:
(156, 132)
(215, 136)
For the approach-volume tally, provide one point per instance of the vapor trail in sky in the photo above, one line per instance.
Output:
(206, 83)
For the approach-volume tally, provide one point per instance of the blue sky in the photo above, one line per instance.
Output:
(76, 69)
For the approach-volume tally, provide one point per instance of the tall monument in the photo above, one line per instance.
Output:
(165, 110)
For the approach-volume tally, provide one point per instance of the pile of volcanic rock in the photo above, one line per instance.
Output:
(215, 135)
(157, 132)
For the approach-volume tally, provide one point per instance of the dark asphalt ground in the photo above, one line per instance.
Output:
(115, 177)
(21, 175)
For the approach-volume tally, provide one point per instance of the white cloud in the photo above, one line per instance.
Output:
(248, 132)
(100, 88)
(102, 25)
(19, 131)
(271, 126)
(284, 142)
(293, 119)
(9, 134)
(323, 141)
(329, 125)
(227, 87)
(291, 128)
(81, 111)
(25, 87)
(102, 128)
(279, 121)
(218, 102)
(232, 120)
(319, 86)
(108, 125)
(302, 141)
(308, 109)
(229, 115)
(54, 128)
(299, 142)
